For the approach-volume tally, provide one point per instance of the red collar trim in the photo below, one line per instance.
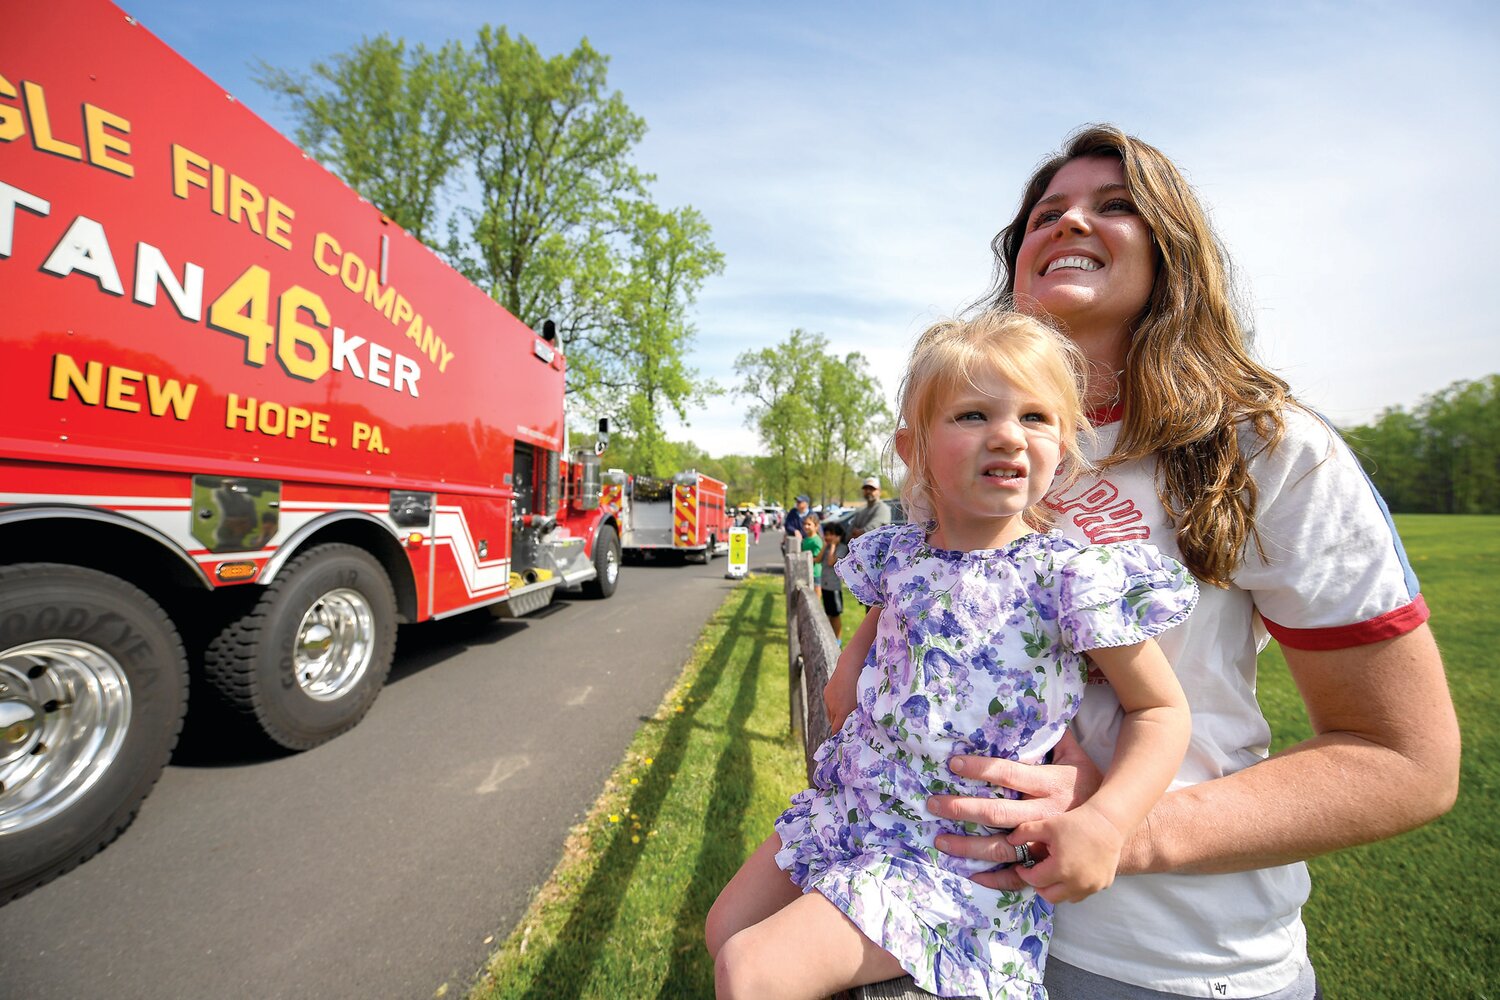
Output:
(1106, 414)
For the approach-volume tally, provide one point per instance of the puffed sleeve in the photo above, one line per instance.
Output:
(868, 564)
(1122, 594)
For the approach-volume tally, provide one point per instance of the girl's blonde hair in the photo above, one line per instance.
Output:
(947, 359)
(1189, 379)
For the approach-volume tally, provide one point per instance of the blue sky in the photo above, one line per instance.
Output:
(854, 159)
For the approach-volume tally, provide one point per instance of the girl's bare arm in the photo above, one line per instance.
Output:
(842, 690)
(1083, 845)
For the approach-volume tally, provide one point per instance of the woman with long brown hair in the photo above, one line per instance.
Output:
(1204, 453)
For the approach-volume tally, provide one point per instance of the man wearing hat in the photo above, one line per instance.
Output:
(793, 523)
(873, 514)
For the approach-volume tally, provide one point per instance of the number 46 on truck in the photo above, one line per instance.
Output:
(249, 426)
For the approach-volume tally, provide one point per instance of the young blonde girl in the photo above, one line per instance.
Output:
(975, 644)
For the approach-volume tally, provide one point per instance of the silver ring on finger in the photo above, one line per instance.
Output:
(1023, 856)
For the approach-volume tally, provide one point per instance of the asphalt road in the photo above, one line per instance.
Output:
(378, 864)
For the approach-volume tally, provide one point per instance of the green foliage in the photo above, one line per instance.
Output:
(386, 119)
(809, 407)
(1442, 458)
(853, 406)
(554, 221)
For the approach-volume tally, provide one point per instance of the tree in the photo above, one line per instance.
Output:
(555, 221)
(1443, 457)
(642, 358)
(856, 414)
(781, 383)
(549, 146)
(384, 118)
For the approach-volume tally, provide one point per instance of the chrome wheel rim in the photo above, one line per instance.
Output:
(612, 565)
(64, 714)
(335, 644)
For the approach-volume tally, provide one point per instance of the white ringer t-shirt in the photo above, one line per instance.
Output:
(1334, 576)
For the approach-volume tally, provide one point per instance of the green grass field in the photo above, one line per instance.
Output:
(1419, 915)
(622, 915)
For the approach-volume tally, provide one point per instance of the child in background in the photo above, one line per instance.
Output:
(979, 640)
(834, 549)
(812, 541)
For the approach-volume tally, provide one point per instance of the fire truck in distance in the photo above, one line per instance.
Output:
(249, 426)
(685, 515)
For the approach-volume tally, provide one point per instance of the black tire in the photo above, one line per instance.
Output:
(125, 636)
(606, 564)
(253, 661)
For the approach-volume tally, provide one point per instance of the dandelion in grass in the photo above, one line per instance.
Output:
(614, 817)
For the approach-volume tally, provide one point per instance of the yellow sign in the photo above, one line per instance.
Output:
(739, 552)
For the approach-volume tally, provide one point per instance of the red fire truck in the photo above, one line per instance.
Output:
(686, 514)
(249, 426)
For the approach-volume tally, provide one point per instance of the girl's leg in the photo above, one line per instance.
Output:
(757, 890)
(807, 949)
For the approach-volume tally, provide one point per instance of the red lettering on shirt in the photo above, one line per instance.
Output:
(1091, 497)
(1097, 510)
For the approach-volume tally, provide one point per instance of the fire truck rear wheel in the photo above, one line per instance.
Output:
(93, 689)
(310, 657)
(606, 564)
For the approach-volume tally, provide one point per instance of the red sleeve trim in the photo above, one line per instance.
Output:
(1386, 626)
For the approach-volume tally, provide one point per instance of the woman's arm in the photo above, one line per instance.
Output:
(841, 693)
(1083, 845)
(1384, 760)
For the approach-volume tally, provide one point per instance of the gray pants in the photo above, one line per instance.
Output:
(1067, 982)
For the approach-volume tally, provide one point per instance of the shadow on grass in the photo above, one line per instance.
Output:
(566, 969)
(723, 844)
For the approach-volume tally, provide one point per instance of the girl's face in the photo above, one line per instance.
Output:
(992, 450)
(1087, 257)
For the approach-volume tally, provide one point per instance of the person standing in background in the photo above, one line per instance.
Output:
(874, 514)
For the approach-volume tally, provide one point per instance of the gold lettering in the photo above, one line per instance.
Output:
(41, 124)
(119, 387)
(102, 143)
(170, 394)
(236, 412)
(245, 201)
(12, 125)
(381, 299)
(67, 376)
(353, 272)
(323, 242)
(279, 223)
(182, 158)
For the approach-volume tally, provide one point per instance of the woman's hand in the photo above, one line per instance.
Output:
(1047, 790)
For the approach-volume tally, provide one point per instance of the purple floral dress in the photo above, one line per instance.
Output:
(980, 653)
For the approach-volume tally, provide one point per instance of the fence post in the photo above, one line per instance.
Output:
(796, 705)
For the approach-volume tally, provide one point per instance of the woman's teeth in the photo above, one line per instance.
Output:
(1082, 263)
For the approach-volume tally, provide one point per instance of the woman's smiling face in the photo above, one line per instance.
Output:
(1087, 258)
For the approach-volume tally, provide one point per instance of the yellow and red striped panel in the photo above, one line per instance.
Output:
(684, 516)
